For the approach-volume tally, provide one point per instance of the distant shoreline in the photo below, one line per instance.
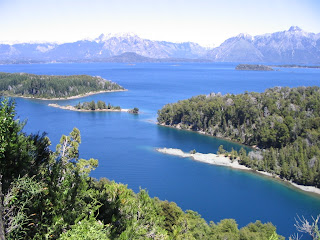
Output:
(295, 66)
(177, 126)
(71, 108)
(72, 97)
(221, 160)
(260, 67)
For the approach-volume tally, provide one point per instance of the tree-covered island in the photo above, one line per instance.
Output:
(99, 106)
(283, 124)
(253, 67)
(53, 86)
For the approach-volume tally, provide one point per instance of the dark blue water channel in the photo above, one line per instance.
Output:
(124, 143)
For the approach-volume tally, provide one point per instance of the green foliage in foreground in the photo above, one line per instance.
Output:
(50, 86)
(284, 122)
(55, 198)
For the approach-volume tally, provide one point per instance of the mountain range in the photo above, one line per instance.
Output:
(291, 46)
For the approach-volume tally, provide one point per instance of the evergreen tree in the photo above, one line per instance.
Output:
(284, 122)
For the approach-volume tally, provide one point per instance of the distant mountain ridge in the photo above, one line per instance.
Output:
(131, 57)
(291, 46)
(98, 49)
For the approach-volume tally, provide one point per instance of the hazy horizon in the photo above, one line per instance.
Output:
(205, 22)
(118, 35)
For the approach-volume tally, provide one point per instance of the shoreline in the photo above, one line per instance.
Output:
(72, 97)
(71, 108)
(177, 126)
(220, 160)
(209, 158)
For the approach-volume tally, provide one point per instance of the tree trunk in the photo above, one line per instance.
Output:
(2, 236)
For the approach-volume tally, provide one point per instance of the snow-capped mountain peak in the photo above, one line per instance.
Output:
(245, 36)
(294, 29)
(296, 32)
(290, 46)
(107, 36)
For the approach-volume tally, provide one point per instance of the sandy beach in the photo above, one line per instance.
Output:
(71, 108)
(310, 189)
(221, 160)
(74, 97)
(209, 158)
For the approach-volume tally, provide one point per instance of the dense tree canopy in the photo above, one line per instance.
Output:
(100, 105)
(50, 86)
(284, 122)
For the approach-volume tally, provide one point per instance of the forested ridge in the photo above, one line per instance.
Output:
(47, 194)
(284, 124)
(51, 86)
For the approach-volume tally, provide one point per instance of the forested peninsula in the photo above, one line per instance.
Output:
(47, 194)
(282, 124)
(53, 86)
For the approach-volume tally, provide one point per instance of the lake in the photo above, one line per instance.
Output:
(125, 143)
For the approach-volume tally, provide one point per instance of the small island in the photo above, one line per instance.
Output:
(253, 67)
(92, 106)
(53, 87)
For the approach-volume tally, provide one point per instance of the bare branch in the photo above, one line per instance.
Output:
(295, 237)
(303, 225)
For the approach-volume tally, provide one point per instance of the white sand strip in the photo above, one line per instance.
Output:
(306, 188)
(221, 160)
(209, 158)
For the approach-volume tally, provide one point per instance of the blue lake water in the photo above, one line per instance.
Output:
(124, 143)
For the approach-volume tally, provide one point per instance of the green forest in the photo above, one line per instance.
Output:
(282, 124)
(254, 67)
(100, 105)
(50, 86)
(47, 194)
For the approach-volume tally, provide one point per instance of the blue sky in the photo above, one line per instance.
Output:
(207, 22)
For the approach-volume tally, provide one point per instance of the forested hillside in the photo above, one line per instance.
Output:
(283, 122)
(50, 86)
(50, 195)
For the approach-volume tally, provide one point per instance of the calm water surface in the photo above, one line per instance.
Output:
(124, 143)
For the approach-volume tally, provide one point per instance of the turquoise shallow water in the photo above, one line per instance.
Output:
(124, 143)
